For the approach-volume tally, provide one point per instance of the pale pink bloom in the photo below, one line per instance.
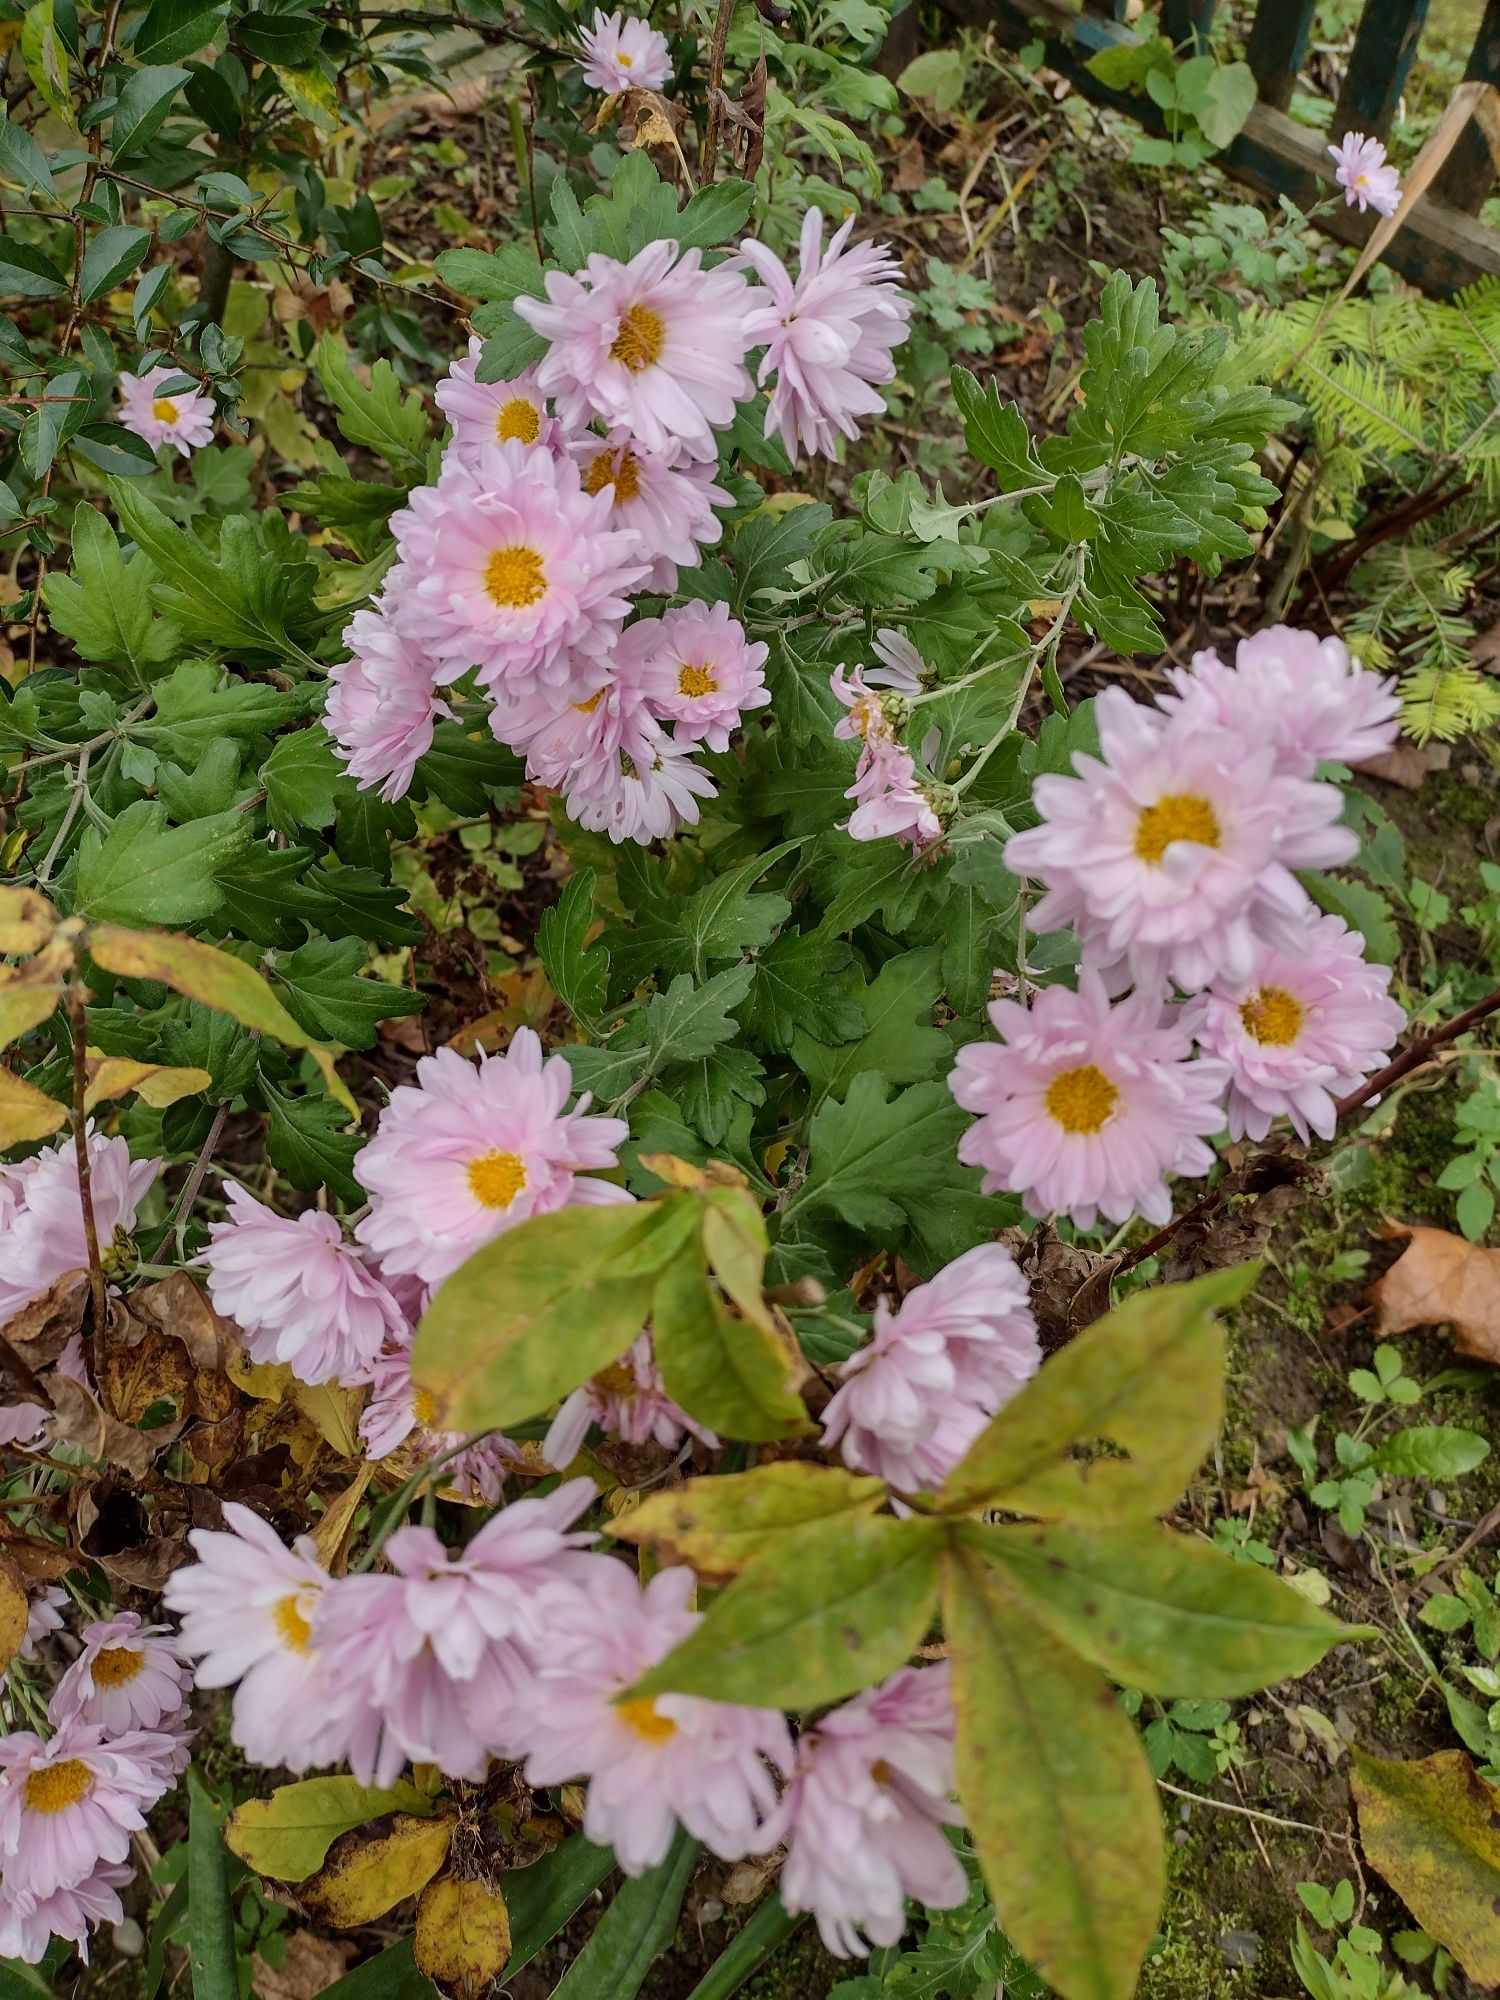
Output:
(869, 721)
(1299, 1032)
(247, 1607)
(893, 803)
(937, 1368)
(863, 1817)
(901, 668)
(623, 52)
(572, 737)
(486, 413)
(165, 1752)
(666, 496)
(509, 567)
(1086, 1106)
(180, 417)
(467, 1152)
(650, 1762)
(655, 347)
(1171, 855)
(21, 1423)
(399, 1414)
(653, 789)
(382, 702)
(297, 1291)
(44, 1236)
(1361, 171)
(129, 1676)
(28, 1923)
(626, 1401)
(1299, 693)
(68, 1802)
(700, 672)
(829, 333)
(43, 1618)
(429, 1660)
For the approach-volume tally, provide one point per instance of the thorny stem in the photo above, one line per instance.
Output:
(85, 1191)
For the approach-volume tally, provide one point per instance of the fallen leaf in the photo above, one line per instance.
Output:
(288, 1835)
(1439, 1277)
(1405, 766)
(336, 1522)
(78, 1419)
(374, 1867)
(311, 1965)
(462, 1939)
(41, 1330)
(13, 1611)
(1432, 1828)
(911, 167)
(176, 1307)
(153, 1370)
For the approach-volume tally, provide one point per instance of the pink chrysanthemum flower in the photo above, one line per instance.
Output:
(863, 1817)
(655, 347)
(936, 1370)
(510, 567)
(1085, 1106)
(653, 1761)
(652, 789)
(44, 1237)
(623, 52)
(829, 334)
(44, 1616)
(298, 1292)
(400, 1417)
(180, 417)
(1173, 856)
(68, 1802)
(429, 1660)
(28, 1924)
(893, 803)
(875, 697)
(467, 1152)
(1299, 1032)
(626, 1401)
(1299, 693)
(1361, 170)
(382, 701)
(666, 496)
(486, 413)
(247, 1608)
(129, 1676)
(700, 673)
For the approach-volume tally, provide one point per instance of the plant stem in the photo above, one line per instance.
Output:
(85, 1190)
(708, 161)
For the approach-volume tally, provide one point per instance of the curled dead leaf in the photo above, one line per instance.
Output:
(1441, 1277)
(175, 1306)
(78, 1419)
(41, 1330)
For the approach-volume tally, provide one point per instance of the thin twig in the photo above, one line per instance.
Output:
(184, 1204)
(708, 162)
(1412, 1057)
(80, 786)
(1245, 1812)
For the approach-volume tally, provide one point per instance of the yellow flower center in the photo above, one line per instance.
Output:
(646, 1720)
(618, 469)
(518, 419)
(116, 1665)
(495, 1179)
(693, 681)
(164, 410)
(1081, 1100)
(588, 707)
(623, 60)
(638, 344)
(514, 577)
(59, 1786)
(1273, 1017)
(293, 1630)
(1177, 816)
(424, 1408)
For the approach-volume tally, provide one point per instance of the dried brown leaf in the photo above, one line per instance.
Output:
(78, 1419)
(1440, 1277)
(311, 1965)
(41, 1330)
(175, 1306)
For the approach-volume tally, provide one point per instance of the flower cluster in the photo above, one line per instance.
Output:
(523, 1647)
(73, 1794)
(1173, 857)
(567, 492)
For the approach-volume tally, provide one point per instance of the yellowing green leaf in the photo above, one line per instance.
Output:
(542, 1308)
(27, 920)
(1058, 1796)
(26, 1113)
(1160, 1611)
(720, 1525)
(1148, 1379)
(24, 1007)
(463, 1937)
(825, 1613)
(216, 979)
(287, 1835)
(738, 1376)
(156, 1084)
(333, 1412)
(1432, 1828)
(372, 1868)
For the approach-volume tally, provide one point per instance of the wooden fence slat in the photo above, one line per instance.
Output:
(1469, 175)
(1188, 21)
(1384, 44)
(1276, 49)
